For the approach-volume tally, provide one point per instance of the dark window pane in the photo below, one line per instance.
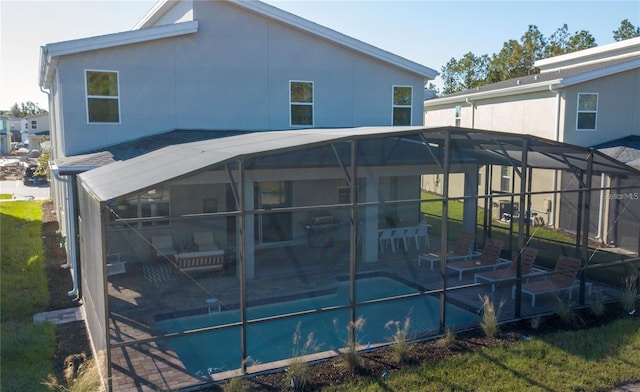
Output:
(302, 92)
(301, 115)
(401, 116)
(586, 121)
(102, 83)
(402, 95)
(587, 102)
(103, 110)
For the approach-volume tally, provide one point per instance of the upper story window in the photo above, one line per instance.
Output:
(103, 99)
(458, 115)
(301, 102)
(34, 124)
(587, 111)
(402, 105)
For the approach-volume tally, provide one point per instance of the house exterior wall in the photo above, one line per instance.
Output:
(618, 112)
(532, 114)
(229, 78)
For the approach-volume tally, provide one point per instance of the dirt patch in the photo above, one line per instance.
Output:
(11, 172)
(71, 338)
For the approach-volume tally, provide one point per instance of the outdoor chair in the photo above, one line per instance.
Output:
(488, 259)
(396, 237)
(205, 240)
(462, 250)
(163, 246)
(528, 256)
(385, 240)
(562, 278)
(422, 231)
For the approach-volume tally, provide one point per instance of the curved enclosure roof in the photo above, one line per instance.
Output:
(319, 148)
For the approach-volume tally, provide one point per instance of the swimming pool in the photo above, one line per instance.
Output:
(269, 341)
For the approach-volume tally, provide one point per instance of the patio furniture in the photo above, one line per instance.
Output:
(563, 278)
(209, 260)
(163, 245)
(488, 259)
(422, 231)
(527, 259)
(396, 237)
(205, 240)
(115, 265)
(462, 250)
(385, 240)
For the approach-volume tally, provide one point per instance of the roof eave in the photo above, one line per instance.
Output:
(503, 92)
(50, 53)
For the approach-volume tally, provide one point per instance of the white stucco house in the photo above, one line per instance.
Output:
(586, 98)
(36, 130)
(227, 171)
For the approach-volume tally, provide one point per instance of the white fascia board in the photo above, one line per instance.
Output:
(589, 55)
(326, 33)
(601, 73)
(503, 92)
(50, 53)
(158, 9)
(120, 39)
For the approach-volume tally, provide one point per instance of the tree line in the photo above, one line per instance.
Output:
(516, 58)
(24, 109)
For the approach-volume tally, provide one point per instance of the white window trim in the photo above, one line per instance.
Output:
(578, 111)
(87, 96)
(312, 104)
(393, 105)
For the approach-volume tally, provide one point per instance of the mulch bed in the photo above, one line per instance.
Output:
(72, 339)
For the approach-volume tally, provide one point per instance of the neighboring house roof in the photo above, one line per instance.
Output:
(145, 31)
(125, 177)
(558, 72)
(557, 79)
(625, 150)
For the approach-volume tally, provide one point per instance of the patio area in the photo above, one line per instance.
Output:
(282, 274)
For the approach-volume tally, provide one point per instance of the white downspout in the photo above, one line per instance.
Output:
(601, 207)
(70, 243)
(551, 219)
(473, 112)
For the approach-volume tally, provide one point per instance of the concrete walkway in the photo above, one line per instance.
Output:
(60, 316)
(23, 192)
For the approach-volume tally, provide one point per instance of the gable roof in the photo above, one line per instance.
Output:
(625, 150)
(145, 30)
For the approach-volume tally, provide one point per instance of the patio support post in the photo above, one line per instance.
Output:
(529, 182)
(576, 250)
(524, 183)
(585, 231)
(444, 231)
(352, 244)
(487, 204)
(243, 269)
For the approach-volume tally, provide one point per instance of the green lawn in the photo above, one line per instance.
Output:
(27, 349)
(585, 360)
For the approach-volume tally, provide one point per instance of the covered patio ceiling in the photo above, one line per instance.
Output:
(377, 146)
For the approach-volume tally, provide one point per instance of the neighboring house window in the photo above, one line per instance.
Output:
(505, 179)
(103, 99)
(151, 204)
(402, 105)
(34, 124)
(301, 102)
(458, 115)
(587, 111)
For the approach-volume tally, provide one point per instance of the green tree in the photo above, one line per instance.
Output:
(468, 72)
(625, 31)
(25, 109)
(507, 63)
(533, 44)
(581, 40)
(557, 43)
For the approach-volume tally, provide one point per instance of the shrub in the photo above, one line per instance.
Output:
(351, 356)
(629, 293)
(297, 373)
(564, 311)
(401, 348)
(490, 315)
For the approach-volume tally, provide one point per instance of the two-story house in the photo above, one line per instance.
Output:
(36, 130)
(586, 98)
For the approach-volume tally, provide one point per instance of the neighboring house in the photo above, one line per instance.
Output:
(36, 130)
(584, 98)
(5, 135)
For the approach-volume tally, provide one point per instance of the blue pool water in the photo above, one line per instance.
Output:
(216, 351)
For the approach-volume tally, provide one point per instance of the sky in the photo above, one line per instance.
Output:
(425, 31)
